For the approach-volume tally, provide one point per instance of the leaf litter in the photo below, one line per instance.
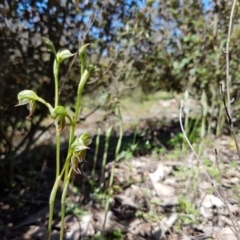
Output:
(155, 199)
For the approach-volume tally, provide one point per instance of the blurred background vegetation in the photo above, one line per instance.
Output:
(139, 48)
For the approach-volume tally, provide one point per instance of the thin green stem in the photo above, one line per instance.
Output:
(53, 194)
(65, 164)
(56, 72)
(66, 170)
(63, 201)
(120, 133)
(57, 150)
(58, 178)
(41, 100)
(135, 135)
(51, 205)
(108, 134)
(96, 151)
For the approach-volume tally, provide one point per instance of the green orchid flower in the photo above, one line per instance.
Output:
(63, 54)
(29, 98)
(79, 148)
(59, 115)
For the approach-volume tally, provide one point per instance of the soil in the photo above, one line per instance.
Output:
(160, 189)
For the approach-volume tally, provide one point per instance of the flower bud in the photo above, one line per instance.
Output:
(82, 50)
(90, 68)
(49, 45)
(87, 138)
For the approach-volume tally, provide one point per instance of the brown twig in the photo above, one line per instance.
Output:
(227, 59)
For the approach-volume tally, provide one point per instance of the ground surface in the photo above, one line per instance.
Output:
(160, 190)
